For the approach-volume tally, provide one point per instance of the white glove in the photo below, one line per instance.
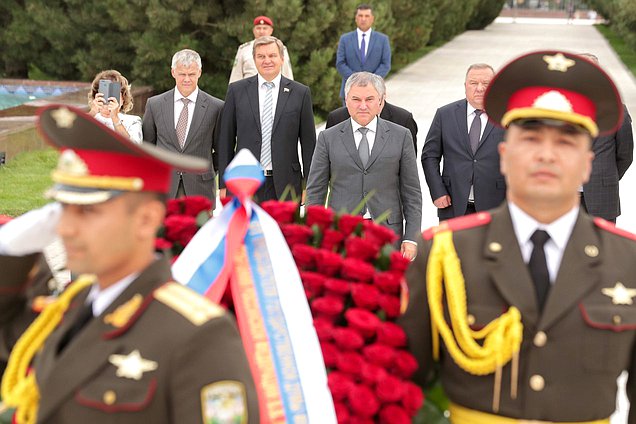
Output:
(31, 232)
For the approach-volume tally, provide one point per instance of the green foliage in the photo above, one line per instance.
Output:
(621, 15)
(485, 12)
(625, 52)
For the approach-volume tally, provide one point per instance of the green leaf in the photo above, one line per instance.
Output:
(362, 203)
(202, 218)
(430, 414)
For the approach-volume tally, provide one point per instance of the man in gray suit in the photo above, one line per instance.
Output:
(186, 120)
(462, 135)
(368, 157)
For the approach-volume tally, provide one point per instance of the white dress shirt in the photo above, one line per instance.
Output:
(357, 135)
(103, 298)
(366, 40)
(559, 231)
(178, 107)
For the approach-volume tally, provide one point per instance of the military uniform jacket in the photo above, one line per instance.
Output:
(571, 354)
(176, 360)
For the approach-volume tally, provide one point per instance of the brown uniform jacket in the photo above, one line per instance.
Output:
(589, 339)
(192, 347)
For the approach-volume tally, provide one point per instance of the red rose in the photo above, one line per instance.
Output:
(180, 228)
(372, 373)
(319, 215)
(390, 389)
(337, 287)
(360, 420)
(348, 223)
(174, 207)
(162, 244)
(296, 234)
(398, 262)
(379, 234)
(329, 306)
(349, 362)
(282, 212)
(388, 282)
(347, 339)
(328, 263)
(193, 205)
(330, 354)
(324, 329)
(363, 401)
(342, 412)
(359, 248)
(355, 269)
(362, 321)
(391, 334)
(379, 354)
(393, 414)
(365, 296)
(313, 282)
(413, 397)
(405, 364)
(304, 255)
(340, 384)
(331, 239)
(390, 305)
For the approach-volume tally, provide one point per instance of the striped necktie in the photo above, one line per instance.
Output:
(267, 122)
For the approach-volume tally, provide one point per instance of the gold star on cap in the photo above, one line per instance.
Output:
(64, 118)
(132, 366)
(620, 294)
(558, 62)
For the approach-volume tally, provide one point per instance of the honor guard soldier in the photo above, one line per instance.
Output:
(123, 343)
(527, 311)
(244, 66)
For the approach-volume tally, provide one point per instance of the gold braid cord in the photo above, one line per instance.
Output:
(20, 390)
(501, 337)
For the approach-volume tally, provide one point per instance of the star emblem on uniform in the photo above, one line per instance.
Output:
(558, 62)
(132, 366)
(63, 117)
(620, 294)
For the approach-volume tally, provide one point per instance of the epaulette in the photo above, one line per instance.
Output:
(611, 228)
(244, 44)
(460, 223)
(194, 307)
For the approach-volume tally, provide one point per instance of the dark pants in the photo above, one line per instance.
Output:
(266, 191)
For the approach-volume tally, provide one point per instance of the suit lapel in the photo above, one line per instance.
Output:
(197, 116)
(252, 98)
(371, 44)
(346, 137)
(381, 136)
(462, 125)
(168, 116)
(283, 95)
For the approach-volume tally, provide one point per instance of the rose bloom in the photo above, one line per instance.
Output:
(372, 374)
(329, 306)
(379, 354)
(324, 329)
(162, 244)
(282, 212)
(340, 384)
(331, 239)
(296, 234)
(337, 287)
(312, 281)
(363, 401)
(393, 414)
(348, 223)
(355, 269)
(413, 397)
(390, 305)
(405, 364)
(180, 228)
(355, 419)
(342, 412)
(349, 362)
(347, 338)
(362, 321)
(328, 263)
(388, 282)
(398, 262)
(359, 248)
(319, 215)
(193, 205)
(379, 234)
(330, 354)
(365, 296)
(304, 256)
(391, 334)
(174, 207)
(390, 389)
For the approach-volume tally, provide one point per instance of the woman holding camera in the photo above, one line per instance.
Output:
(112, 111)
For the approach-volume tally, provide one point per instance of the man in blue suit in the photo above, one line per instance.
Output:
(363, 49)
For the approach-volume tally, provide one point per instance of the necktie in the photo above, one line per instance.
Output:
(475, 131)
(182, 123)
(363, 46)
(84, 316)
(363, 148)
(267, 121)
(538, 266)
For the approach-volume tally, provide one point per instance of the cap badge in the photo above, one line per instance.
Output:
(63, 117)
(71, 163)
(620, 294)
(553, 100)
(132, 366)
(262, 22)
(558, 62)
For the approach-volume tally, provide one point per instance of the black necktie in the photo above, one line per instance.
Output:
(475, 131)
(84, 316)
(538, 266)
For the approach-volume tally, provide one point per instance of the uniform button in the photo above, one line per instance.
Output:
(474, 160)
(616, 319)
(537, 383)
(109, 397)
(540, 339)
(495, 247)
(365, 172)
(470, 319)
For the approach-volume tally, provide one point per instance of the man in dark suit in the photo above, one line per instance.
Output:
(389, 112)
(124, 342)
(269, 115)
(368, 157)
(363, 49)
(535, 301)
(463, 136)
(186, 120)
(613, 155)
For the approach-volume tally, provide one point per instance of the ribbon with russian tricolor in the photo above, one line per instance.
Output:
(243, 247)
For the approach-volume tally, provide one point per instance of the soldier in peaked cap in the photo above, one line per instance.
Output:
(123, 342)
(540, 294)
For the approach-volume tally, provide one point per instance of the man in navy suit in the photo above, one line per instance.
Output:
(462, 134)
(363, 49)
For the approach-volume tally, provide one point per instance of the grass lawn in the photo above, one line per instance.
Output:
(24, 180)
(625, 52)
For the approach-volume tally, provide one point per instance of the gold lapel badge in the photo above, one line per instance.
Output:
(120, 316)
(132, 366)
(620, 294)
(558, 62)
(63, 117)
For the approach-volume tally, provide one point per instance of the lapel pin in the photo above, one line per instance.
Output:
(132, 366)
(620, 294)
(285, 90)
